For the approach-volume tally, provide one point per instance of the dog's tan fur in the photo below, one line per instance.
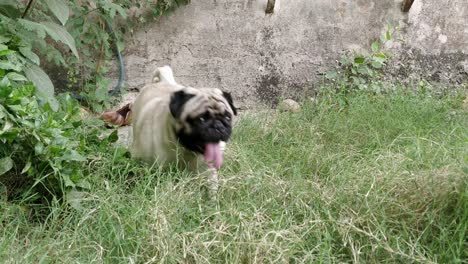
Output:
(154, 128)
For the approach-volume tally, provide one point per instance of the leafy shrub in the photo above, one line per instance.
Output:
(43, 152)
(361, 71)
(18, 59)
(44, 142)
(91, 30)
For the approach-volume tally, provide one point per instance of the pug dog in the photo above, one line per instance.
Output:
(176, 124)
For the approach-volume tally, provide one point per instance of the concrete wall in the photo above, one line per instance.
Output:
(435, 46)
(234, 45)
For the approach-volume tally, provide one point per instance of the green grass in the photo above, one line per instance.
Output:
(380, 180)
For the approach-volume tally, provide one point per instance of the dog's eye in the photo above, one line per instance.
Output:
(203, 118)
(227, 116)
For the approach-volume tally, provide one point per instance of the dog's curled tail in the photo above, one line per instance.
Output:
(163, 74)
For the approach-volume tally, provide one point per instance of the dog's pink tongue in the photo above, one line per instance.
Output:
(213, 155)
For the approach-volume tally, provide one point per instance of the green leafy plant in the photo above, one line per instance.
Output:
(44, 145)
(43, 152)
(361, 71)
(86, 33)
(101, 26)
(38, 146)
(20, 36)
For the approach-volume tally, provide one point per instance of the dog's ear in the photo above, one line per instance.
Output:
(178, 99)
(229, 100)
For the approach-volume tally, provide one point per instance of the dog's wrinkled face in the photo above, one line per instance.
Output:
(204, 119)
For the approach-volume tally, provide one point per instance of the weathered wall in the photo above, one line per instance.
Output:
(234, 45)
(435, 43)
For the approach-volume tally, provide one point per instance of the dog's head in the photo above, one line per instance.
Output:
(203, 120)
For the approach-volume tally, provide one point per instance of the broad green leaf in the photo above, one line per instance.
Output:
(73, 155)
(83, 184)
(4, 92)
(9, 137)
(66, 179)
(363, 70)
(121, 152)
(9, 10)
(345, 60)
(375, 87)
(359, 60)
(5, 82)
(15, 59)
(39, 148)
(3, 47)
(26, 167)
(6, 127)
(5, 52)
(10, 3)
(6, 164)
(13, 76)
(33, 26)
(53, 103)
(4, 39)
(44, 86)
(27, 52)
(375, 46)
(387, 35)
(59, 33)
(74, 198)
(97, 107)
(377, 64)
(331, 75)
(7, 65)
(100, 94)
(379, 59)
(60, 10)
(120, 45)
(113, 137)
(381, 55)
(355, 80)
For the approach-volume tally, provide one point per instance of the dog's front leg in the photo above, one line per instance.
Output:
(213, 182)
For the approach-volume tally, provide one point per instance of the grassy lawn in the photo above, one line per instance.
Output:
(376, 180)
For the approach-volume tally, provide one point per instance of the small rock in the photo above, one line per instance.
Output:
(125, 136)
(290, 106)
